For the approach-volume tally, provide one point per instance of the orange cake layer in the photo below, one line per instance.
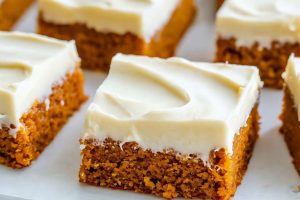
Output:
(291, 127)
(168, 174)
(270, 61)
(97, 49)
(11, 11)
(42, 122)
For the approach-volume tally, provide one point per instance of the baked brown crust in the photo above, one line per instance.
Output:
(97, 49)
(270, 61)
(168, 174)
(11, 11)
(291, 127)
(42, 124)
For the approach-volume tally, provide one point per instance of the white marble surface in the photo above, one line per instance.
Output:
(271, 175)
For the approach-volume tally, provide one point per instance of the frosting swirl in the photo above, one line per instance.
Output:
(173, 103)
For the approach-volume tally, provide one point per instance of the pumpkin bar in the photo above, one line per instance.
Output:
(290, 112)
(260, 33)
(41, 86)
(171, 128)
(103, 28)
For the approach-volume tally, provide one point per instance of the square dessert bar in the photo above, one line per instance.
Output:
(290, 113)
(11, 11)
(103, 28)
(260, 33)
(41, 85)
(172, 128)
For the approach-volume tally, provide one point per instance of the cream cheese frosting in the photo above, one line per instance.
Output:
(292, 80)
(173, 104)
(143, 18)
(29, 66)
(260, 21)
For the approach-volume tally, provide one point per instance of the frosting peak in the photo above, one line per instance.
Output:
(161, 104)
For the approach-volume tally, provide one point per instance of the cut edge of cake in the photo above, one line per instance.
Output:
(290, 110)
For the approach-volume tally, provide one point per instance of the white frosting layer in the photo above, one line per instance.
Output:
(29, 66)
(292, 80)
(259, 20)
(143, 18)
(161, 104)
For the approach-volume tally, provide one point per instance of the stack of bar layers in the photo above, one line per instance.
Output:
(164, 126)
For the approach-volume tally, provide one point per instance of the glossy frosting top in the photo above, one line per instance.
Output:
(174, 103)
(143, 18)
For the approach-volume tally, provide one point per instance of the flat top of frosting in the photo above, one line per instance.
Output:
(134, 6)
(191, 107)
(29, 65)
(172, 91)
(143, 18)
(28, 49)
(262, 20)
(11, 74)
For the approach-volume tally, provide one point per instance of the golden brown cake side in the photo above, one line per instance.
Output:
(219, 3)
(291, 127)
(11, 11)
(168, 174)
(42, 122)
(164, 43)
(270, 61)
(97, 49)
